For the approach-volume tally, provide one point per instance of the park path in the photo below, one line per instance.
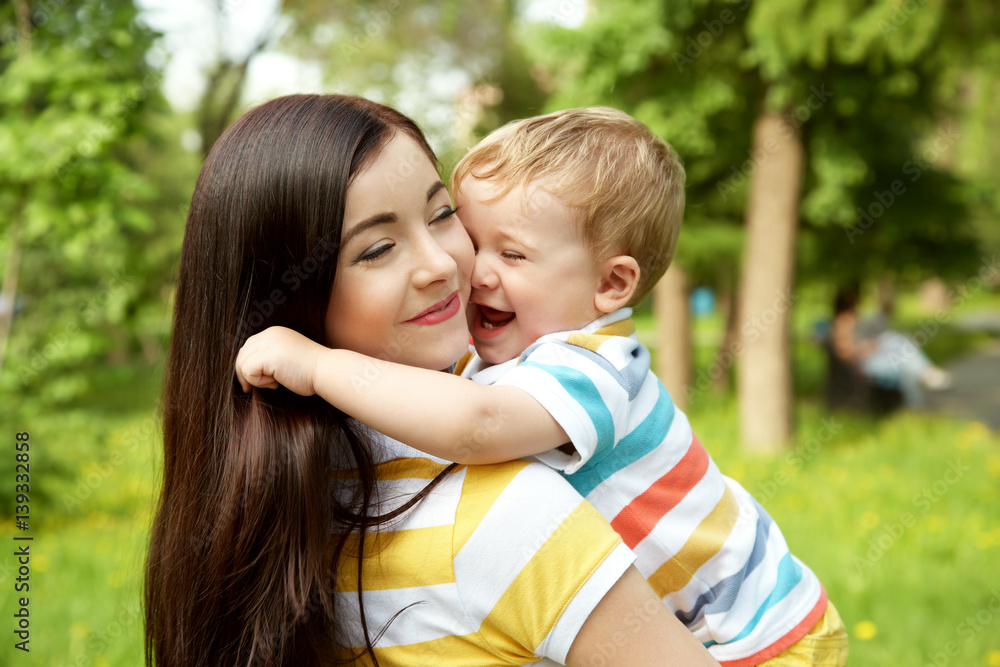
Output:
(975, 392)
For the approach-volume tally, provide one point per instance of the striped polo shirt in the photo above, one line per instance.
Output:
(705, 545)
(497, 565)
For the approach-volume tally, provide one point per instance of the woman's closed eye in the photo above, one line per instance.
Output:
(511, 255)
(374, 252)
(444, 213)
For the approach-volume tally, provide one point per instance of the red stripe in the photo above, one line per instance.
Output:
(786, 642)
(640, 516)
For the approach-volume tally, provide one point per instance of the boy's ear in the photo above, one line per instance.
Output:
(618, 282)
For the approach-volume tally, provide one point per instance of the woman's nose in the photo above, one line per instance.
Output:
(433, 264)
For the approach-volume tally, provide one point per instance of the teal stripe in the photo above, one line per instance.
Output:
(789, 576)
(583, 390)
(645, 438)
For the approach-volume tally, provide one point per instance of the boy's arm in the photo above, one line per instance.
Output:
(438, 413)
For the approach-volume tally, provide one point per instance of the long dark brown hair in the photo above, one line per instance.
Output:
(249, 524)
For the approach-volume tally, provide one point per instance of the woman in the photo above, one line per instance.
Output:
(325, 214)
(888, 358)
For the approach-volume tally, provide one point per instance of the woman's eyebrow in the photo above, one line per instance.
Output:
(434, 190)
(377, 219)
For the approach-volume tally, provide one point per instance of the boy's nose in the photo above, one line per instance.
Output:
(483, 277)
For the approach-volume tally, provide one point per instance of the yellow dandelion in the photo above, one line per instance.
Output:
(983, 541)
(79, 630)
(838, 475)
(869, 520)
(935, 523)
(993, 466)
(865, 630)
(993, 658)
(40, 563)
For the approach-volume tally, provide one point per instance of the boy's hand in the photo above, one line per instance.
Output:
(278, 356)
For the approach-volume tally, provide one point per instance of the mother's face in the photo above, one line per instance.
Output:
(402, 280)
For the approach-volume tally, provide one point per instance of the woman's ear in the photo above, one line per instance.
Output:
(618, 281)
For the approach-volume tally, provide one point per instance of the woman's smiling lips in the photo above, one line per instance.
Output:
(439, 312)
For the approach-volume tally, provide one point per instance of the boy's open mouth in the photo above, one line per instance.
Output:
(491, 319)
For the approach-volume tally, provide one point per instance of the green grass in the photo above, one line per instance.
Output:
(900, 519)
(913, 578)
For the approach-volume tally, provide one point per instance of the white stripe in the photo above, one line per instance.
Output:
(492, 545)
(436, 509)
(437, 614)
(557, 643)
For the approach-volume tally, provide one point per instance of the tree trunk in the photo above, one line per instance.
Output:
(673, 327)
(725, 302)
(764, 380)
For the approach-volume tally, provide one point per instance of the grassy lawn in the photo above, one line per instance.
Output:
(900, 519)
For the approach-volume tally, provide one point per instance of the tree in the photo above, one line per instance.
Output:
(812, 108)
(79, 209)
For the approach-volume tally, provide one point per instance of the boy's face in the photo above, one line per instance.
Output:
(533, 275)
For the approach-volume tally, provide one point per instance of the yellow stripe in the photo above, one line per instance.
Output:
(593, 341)
(404, 468)
(535, 600)
(462, 363)
(706, 541)
(624, 327)
(455, 651)
(483, 485)
(398, 559)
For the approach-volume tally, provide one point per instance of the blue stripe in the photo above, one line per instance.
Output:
(645, 438)
(583, 390)
(720, 597)
(789, 576)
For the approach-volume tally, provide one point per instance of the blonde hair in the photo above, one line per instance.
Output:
(627, 182)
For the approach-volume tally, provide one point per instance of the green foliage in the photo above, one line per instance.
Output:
(870, 83)
(82, 153)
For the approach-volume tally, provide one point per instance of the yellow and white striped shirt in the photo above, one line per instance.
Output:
(497, 565)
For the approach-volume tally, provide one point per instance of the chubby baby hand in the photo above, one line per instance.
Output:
(278, 356)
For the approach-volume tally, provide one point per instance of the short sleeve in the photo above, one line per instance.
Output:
(589, 394)
(532, 559)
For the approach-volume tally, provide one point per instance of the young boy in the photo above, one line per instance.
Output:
(574, 217)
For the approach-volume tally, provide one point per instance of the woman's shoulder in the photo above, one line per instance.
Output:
(489, 512)
(488, 542)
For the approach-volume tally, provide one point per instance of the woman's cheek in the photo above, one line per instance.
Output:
(460, 248)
